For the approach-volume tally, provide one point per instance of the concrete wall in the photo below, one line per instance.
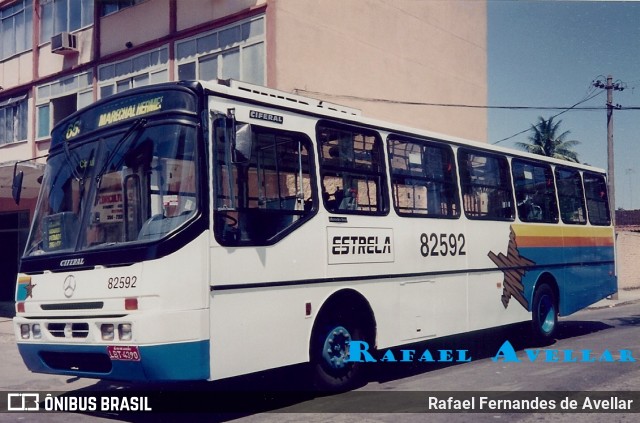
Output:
(628, 256)
(143, 23)
(191, 13)
(417, 51)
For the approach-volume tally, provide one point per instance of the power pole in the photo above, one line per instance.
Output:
(610, 87)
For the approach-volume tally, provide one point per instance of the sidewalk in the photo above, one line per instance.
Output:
(625, 296)
(7, 311)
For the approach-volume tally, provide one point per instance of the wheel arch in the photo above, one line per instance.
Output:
(549, 279)
(349, 300)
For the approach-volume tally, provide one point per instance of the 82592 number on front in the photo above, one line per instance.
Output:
(122, 282)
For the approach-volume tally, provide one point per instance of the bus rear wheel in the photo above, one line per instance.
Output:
(544, 313)
(331, 338)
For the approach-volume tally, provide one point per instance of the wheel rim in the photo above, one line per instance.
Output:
(546, 314)
(335, 350)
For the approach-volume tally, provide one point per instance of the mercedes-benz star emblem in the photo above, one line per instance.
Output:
(69, 286)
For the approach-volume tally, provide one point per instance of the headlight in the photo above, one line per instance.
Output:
(107, 332)
(24, 331)
(35, 330)
(124, 332)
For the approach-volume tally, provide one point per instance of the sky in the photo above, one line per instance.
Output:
(547, 54)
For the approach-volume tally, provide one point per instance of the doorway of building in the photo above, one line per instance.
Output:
(14, 229)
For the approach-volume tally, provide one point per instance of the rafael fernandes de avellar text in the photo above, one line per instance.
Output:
(484, 403)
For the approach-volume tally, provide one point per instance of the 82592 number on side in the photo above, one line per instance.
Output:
(442, 244)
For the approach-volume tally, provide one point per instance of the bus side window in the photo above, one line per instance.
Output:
(571, 196)
(486, 185)
(352, 169)
(595, 187)
(535, 191)
(423, 179)
(261, 199)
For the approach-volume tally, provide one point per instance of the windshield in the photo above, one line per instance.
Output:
(132, 186)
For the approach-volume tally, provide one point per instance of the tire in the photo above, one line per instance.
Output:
(544, 313)
(330, 340)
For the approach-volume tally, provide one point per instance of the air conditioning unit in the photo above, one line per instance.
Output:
(64, 43)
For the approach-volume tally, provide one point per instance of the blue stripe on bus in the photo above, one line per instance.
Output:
(171, 362)
(561, 255)
(587, 277)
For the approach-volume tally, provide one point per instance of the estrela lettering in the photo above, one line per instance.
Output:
(360, 245)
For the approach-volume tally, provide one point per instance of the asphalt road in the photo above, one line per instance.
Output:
(398, 392)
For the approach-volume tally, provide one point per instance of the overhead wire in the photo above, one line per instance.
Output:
(422, 103)
(574, 107)
(589, 95)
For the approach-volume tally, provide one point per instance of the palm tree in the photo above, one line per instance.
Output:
(544, 140)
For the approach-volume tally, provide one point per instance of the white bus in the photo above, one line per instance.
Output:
(203, 230)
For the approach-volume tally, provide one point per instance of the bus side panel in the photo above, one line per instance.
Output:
(254, 330)
(592, 275)
(432, 299)
(580, 258)
(257, 321)
(495, 290)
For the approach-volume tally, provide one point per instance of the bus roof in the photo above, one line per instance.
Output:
(321, 108)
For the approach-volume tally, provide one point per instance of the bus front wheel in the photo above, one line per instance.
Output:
(544, 313)
(331, 339)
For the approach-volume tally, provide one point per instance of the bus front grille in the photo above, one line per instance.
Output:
(94, 305)
(68, 330)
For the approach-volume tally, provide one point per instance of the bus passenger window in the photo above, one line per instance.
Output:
(352, 170)
(535, 191)
(486, 186)
(261, 199)
(570, 195)
(595, 187)
(423, 179)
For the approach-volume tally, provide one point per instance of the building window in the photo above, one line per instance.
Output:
(13, 120)
(486, 185)
(109, 7)
(423, 179)
(57, 100)
(64, 16)
(236, 52)
(535, 191)
(571, 196)
(352, 170)
(16, 23)
(138, 71)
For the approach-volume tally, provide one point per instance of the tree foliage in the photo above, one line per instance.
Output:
(545, 139)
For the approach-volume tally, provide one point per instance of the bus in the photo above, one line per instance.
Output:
(204, 230)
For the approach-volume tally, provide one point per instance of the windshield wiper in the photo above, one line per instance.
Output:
(72, 166)
(135, 127)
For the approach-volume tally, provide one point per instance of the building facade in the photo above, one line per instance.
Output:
(390, 58)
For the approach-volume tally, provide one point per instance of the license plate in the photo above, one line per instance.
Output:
(123, 353)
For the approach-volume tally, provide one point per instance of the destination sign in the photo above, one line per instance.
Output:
(127, 112)
(121, 109)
